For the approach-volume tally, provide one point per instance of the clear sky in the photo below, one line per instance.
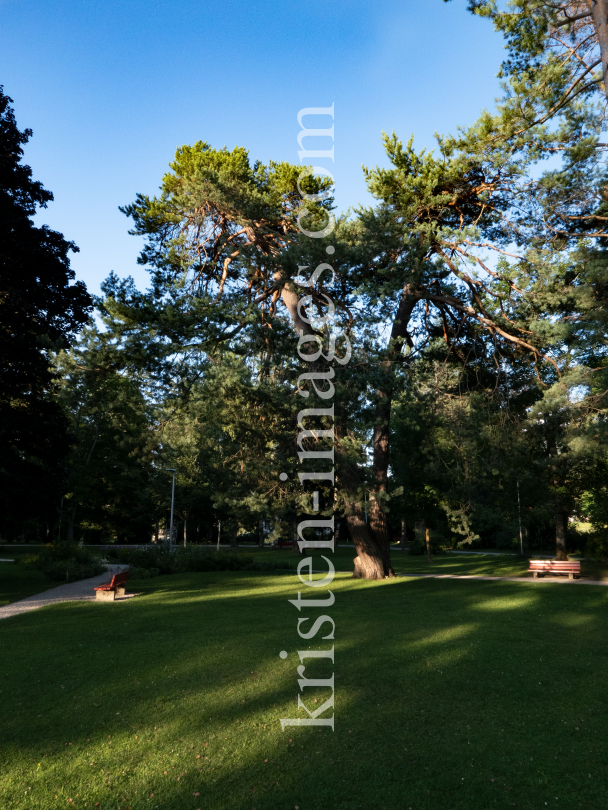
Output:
(112, 88)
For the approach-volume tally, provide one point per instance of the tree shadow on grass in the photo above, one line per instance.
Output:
(449, 694)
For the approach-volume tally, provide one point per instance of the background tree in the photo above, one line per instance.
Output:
(41, 309)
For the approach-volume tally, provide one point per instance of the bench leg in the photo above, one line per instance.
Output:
(570, 576)
(120, 591)
(535, 574)
(104, 596)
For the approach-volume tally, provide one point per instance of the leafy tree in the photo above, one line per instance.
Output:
(111, 468)
(41, 309)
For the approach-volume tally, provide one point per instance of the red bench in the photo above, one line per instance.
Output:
(115, 587)
(542, 567)
(283, 544)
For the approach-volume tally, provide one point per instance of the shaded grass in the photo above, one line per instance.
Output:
(449, 695)
(457, 564)
(17, 581)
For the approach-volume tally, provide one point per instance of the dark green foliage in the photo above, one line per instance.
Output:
(41, 309)
(65, 562)
(179, 560)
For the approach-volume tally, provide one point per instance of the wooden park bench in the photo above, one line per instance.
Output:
(283, 544)
(542, 567)
(110, 590)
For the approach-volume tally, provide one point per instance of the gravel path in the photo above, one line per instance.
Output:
(81, 591)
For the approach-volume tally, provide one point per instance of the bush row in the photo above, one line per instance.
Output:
(162, 560)
(65, 562)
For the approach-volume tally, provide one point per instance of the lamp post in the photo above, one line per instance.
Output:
(172, 500)
(521, 541)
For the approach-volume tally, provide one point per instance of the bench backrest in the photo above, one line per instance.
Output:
(119, 579)
(555, 565)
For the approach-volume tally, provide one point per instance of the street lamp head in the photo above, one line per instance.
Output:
(168, 469)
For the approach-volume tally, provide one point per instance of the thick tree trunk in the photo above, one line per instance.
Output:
(560, 529)
(384, 401)
(428, 544)
(599, 15)
(371, 561)
(234, 538)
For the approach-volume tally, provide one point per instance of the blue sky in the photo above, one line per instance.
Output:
(111, 89)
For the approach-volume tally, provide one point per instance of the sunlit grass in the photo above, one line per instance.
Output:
(450, 695)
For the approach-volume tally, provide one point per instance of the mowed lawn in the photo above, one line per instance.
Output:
(450, 695)
(17, 581)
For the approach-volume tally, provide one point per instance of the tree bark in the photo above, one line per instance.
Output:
(234, 538)
(381, 437)
(599, 15)
(261, 533)
(560, 530)
(428, 545)
(403, 534)
(371, 561)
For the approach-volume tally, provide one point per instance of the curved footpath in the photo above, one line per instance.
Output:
(80, 591)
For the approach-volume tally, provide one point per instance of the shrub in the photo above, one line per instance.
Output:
(65, 562)
(191, 559)
(597, 547)
(143, 573)
(417, 546)
(71, 570)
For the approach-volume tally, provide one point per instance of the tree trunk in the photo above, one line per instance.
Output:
(560, 530)
(373, 560)
(428, 545)
(261, 533)
(234, 538)
(403, 534)
(71, 525)
(399, 336)
(599, 14)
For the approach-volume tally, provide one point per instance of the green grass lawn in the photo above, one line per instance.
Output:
(17, 581)
(450, 695)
